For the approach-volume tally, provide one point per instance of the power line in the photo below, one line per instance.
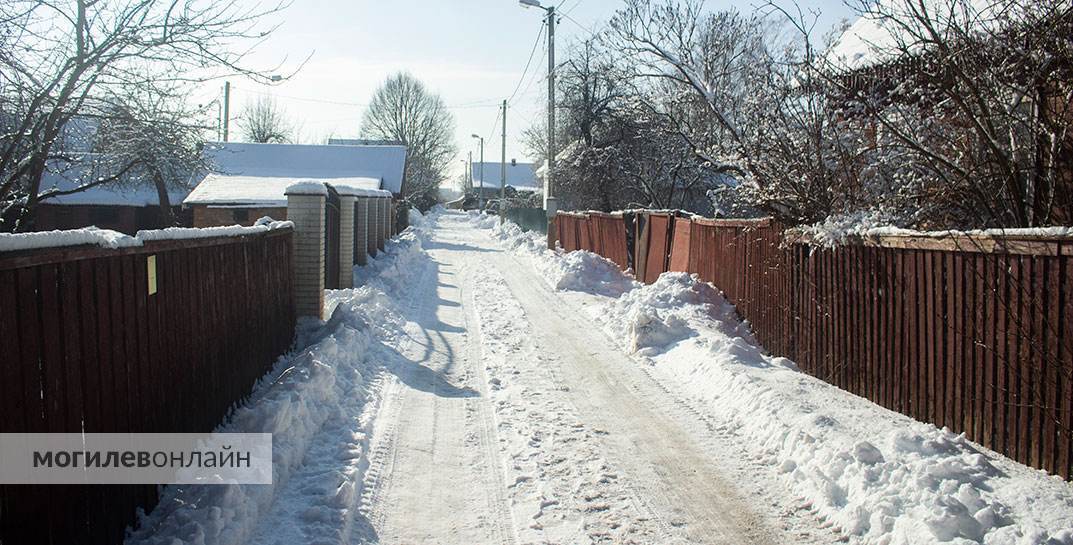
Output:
(579, 25)
(483, 103)
(528, 62)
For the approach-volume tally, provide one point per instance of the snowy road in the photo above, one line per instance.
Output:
(512, 419)
(478, 388)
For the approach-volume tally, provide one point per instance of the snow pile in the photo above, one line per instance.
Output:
(575, 271)
(483, 221)
(391, 269)
(307, 402)
(10, 242)
(878, 476)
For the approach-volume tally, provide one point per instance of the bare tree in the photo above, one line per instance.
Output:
(265, 122)
(744, 95)
(976, 98)
(402, 109)
(62, 61)
(153, 141)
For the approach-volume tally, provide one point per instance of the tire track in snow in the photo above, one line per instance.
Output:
(487, 437)
(661, 457)
(430, 485)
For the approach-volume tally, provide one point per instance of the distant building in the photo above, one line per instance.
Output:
(250, 180)
(520, 176)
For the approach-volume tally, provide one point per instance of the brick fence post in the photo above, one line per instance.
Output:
(361, 229)
(347, 196)
(305, 207)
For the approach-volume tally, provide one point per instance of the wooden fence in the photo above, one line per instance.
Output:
(86, 345)
(972, 333)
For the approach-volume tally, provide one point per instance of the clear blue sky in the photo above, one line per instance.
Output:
(470, 51)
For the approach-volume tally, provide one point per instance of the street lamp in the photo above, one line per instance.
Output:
(550, 204)
(480, 192)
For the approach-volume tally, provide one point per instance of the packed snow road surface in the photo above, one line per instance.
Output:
(478, 388)
(512, 421)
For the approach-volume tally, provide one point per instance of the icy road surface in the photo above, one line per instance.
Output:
(512, 419)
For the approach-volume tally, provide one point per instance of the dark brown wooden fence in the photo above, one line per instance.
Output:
(972, 333)
(84, 346)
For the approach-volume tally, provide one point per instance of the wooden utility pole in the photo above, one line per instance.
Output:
(503, 170)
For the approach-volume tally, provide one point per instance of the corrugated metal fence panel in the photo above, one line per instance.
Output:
(680, 246)
(979, 342)
(610, 231)
(585, 238)
(83, 343)
(659, 237)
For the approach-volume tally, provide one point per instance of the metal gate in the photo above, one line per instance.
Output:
(331, 239)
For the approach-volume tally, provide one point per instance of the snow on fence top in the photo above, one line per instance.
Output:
(352, 191)
(1035, 241)
(113, 239)
(307, 187)
(871, 230)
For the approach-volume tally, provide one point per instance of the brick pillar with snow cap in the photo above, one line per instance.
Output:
(347, 196)
(305, 207)
(361, 229)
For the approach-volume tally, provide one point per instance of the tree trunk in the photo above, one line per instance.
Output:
(167, 216)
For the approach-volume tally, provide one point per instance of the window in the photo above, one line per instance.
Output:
(241, 215)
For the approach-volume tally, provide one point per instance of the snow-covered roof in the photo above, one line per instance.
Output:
(520, 176)
(104, 195)
(260, 173)
(872, 40)
(267, 191)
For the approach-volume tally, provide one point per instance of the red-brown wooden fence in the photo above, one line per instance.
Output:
(972, 333)
(84, 346)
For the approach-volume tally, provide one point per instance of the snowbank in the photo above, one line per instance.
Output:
(878, 476)
(316, 388)
(576, 271)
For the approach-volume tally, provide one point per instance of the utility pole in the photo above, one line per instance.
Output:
(469, 171)
(550, 204)
(227, 108)
(480, 193)
(503, 170)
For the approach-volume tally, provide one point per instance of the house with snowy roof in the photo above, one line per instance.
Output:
(249, 181)
(520, 176)
(125, 205)
(127, 208)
